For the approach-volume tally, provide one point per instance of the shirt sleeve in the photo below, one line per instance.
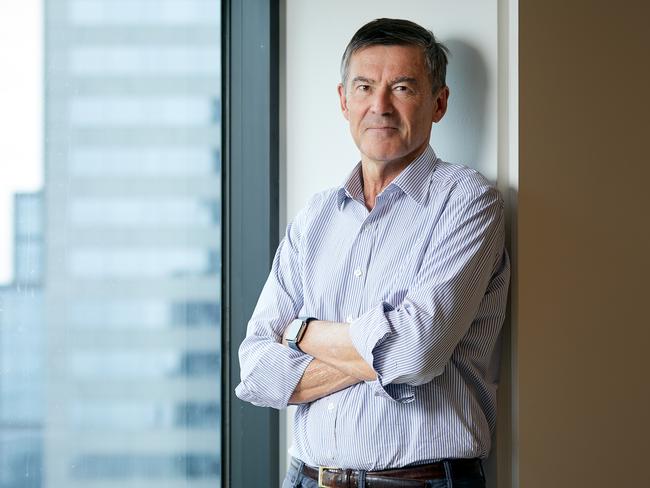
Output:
(270, 371)
(410, 344)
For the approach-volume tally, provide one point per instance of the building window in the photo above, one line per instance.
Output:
(190, 13)
(194, 466)
(136, 61)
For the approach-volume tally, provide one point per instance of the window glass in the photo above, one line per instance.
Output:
(195, 466)
(110, 258)
(143, 12)
(139, 111)
(134, 416)
(157, 212)
(134, 314)
(135, 365)
(144, 161)
(103, 61)
(148, 263)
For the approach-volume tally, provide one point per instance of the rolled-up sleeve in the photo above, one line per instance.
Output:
(409, 344)
(269, 370)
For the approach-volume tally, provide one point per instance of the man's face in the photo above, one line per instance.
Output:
(389, 103)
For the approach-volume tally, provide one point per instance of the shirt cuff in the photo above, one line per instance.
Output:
(275, 387)
(367, 332)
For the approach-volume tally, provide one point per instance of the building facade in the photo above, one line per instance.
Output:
(132, 241)
(22, 351)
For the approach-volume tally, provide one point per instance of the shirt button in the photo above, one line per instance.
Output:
(348, 319)
(330, 406)
(330, 454)
(358, 272)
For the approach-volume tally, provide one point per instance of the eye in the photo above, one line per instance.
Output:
(363, 88)
(402, 89)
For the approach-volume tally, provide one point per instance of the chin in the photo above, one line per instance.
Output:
(378, 153)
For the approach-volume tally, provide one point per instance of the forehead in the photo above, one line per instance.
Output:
(388, 60)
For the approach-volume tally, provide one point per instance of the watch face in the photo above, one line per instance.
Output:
(294, 330)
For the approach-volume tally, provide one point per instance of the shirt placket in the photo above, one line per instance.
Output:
(359, 261)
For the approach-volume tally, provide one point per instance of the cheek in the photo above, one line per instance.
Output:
(422, 122)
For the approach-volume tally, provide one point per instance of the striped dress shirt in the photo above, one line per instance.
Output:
(422, 279)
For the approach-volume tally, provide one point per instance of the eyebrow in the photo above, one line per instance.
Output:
(362, 79)
(403, 79)
(400, 79)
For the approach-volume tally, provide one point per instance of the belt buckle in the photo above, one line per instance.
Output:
(321, 470)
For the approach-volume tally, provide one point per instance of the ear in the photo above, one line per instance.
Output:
(343, 101)
(440, 104)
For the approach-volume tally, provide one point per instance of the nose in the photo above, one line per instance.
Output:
(381, 102)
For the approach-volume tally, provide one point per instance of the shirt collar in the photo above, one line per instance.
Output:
(414, 180)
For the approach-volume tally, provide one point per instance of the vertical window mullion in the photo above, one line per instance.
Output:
(251, 92)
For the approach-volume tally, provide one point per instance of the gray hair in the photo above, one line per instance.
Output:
(398, 32)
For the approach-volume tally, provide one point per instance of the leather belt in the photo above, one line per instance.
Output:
(410, 477)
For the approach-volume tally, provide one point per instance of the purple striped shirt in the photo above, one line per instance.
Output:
(423, 280)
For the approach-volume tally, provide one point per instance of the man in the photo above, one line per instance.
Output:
(381, 315)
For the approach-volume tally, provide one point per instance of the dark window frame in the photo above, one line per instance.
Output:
(250, 44)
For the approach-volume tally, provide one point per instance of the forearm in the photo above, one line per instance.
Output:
(320, 380)
(330, 342)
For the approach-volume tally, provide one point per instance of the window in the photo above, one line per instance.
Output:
(189, 13)
(142, 314)
(110, 323)
(129, 416)
(152, 212)
(104, 269)
(107, 61)
(144, 161)
(189, 467)
(140, 111)
(147, 263)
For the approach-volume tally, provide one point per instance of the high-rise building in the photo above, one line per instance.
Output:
(28, 239)
(22, 351)
(132, 239)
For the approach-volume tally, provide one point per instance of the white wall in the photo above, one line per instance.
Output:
(316, 148)
(319, 149)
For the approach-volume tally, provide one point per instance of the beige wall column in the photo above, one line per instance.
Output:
(583, 338)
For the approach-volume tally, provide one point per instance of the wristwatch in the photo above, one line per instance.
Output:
(296, 331)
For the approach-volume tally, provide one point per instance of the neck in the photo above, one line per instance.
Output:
(377, 175)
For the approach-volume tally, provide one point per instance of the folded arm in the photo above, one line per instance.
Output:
(273, 375)
(318, 381)
(397, 348)
(392, 348)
